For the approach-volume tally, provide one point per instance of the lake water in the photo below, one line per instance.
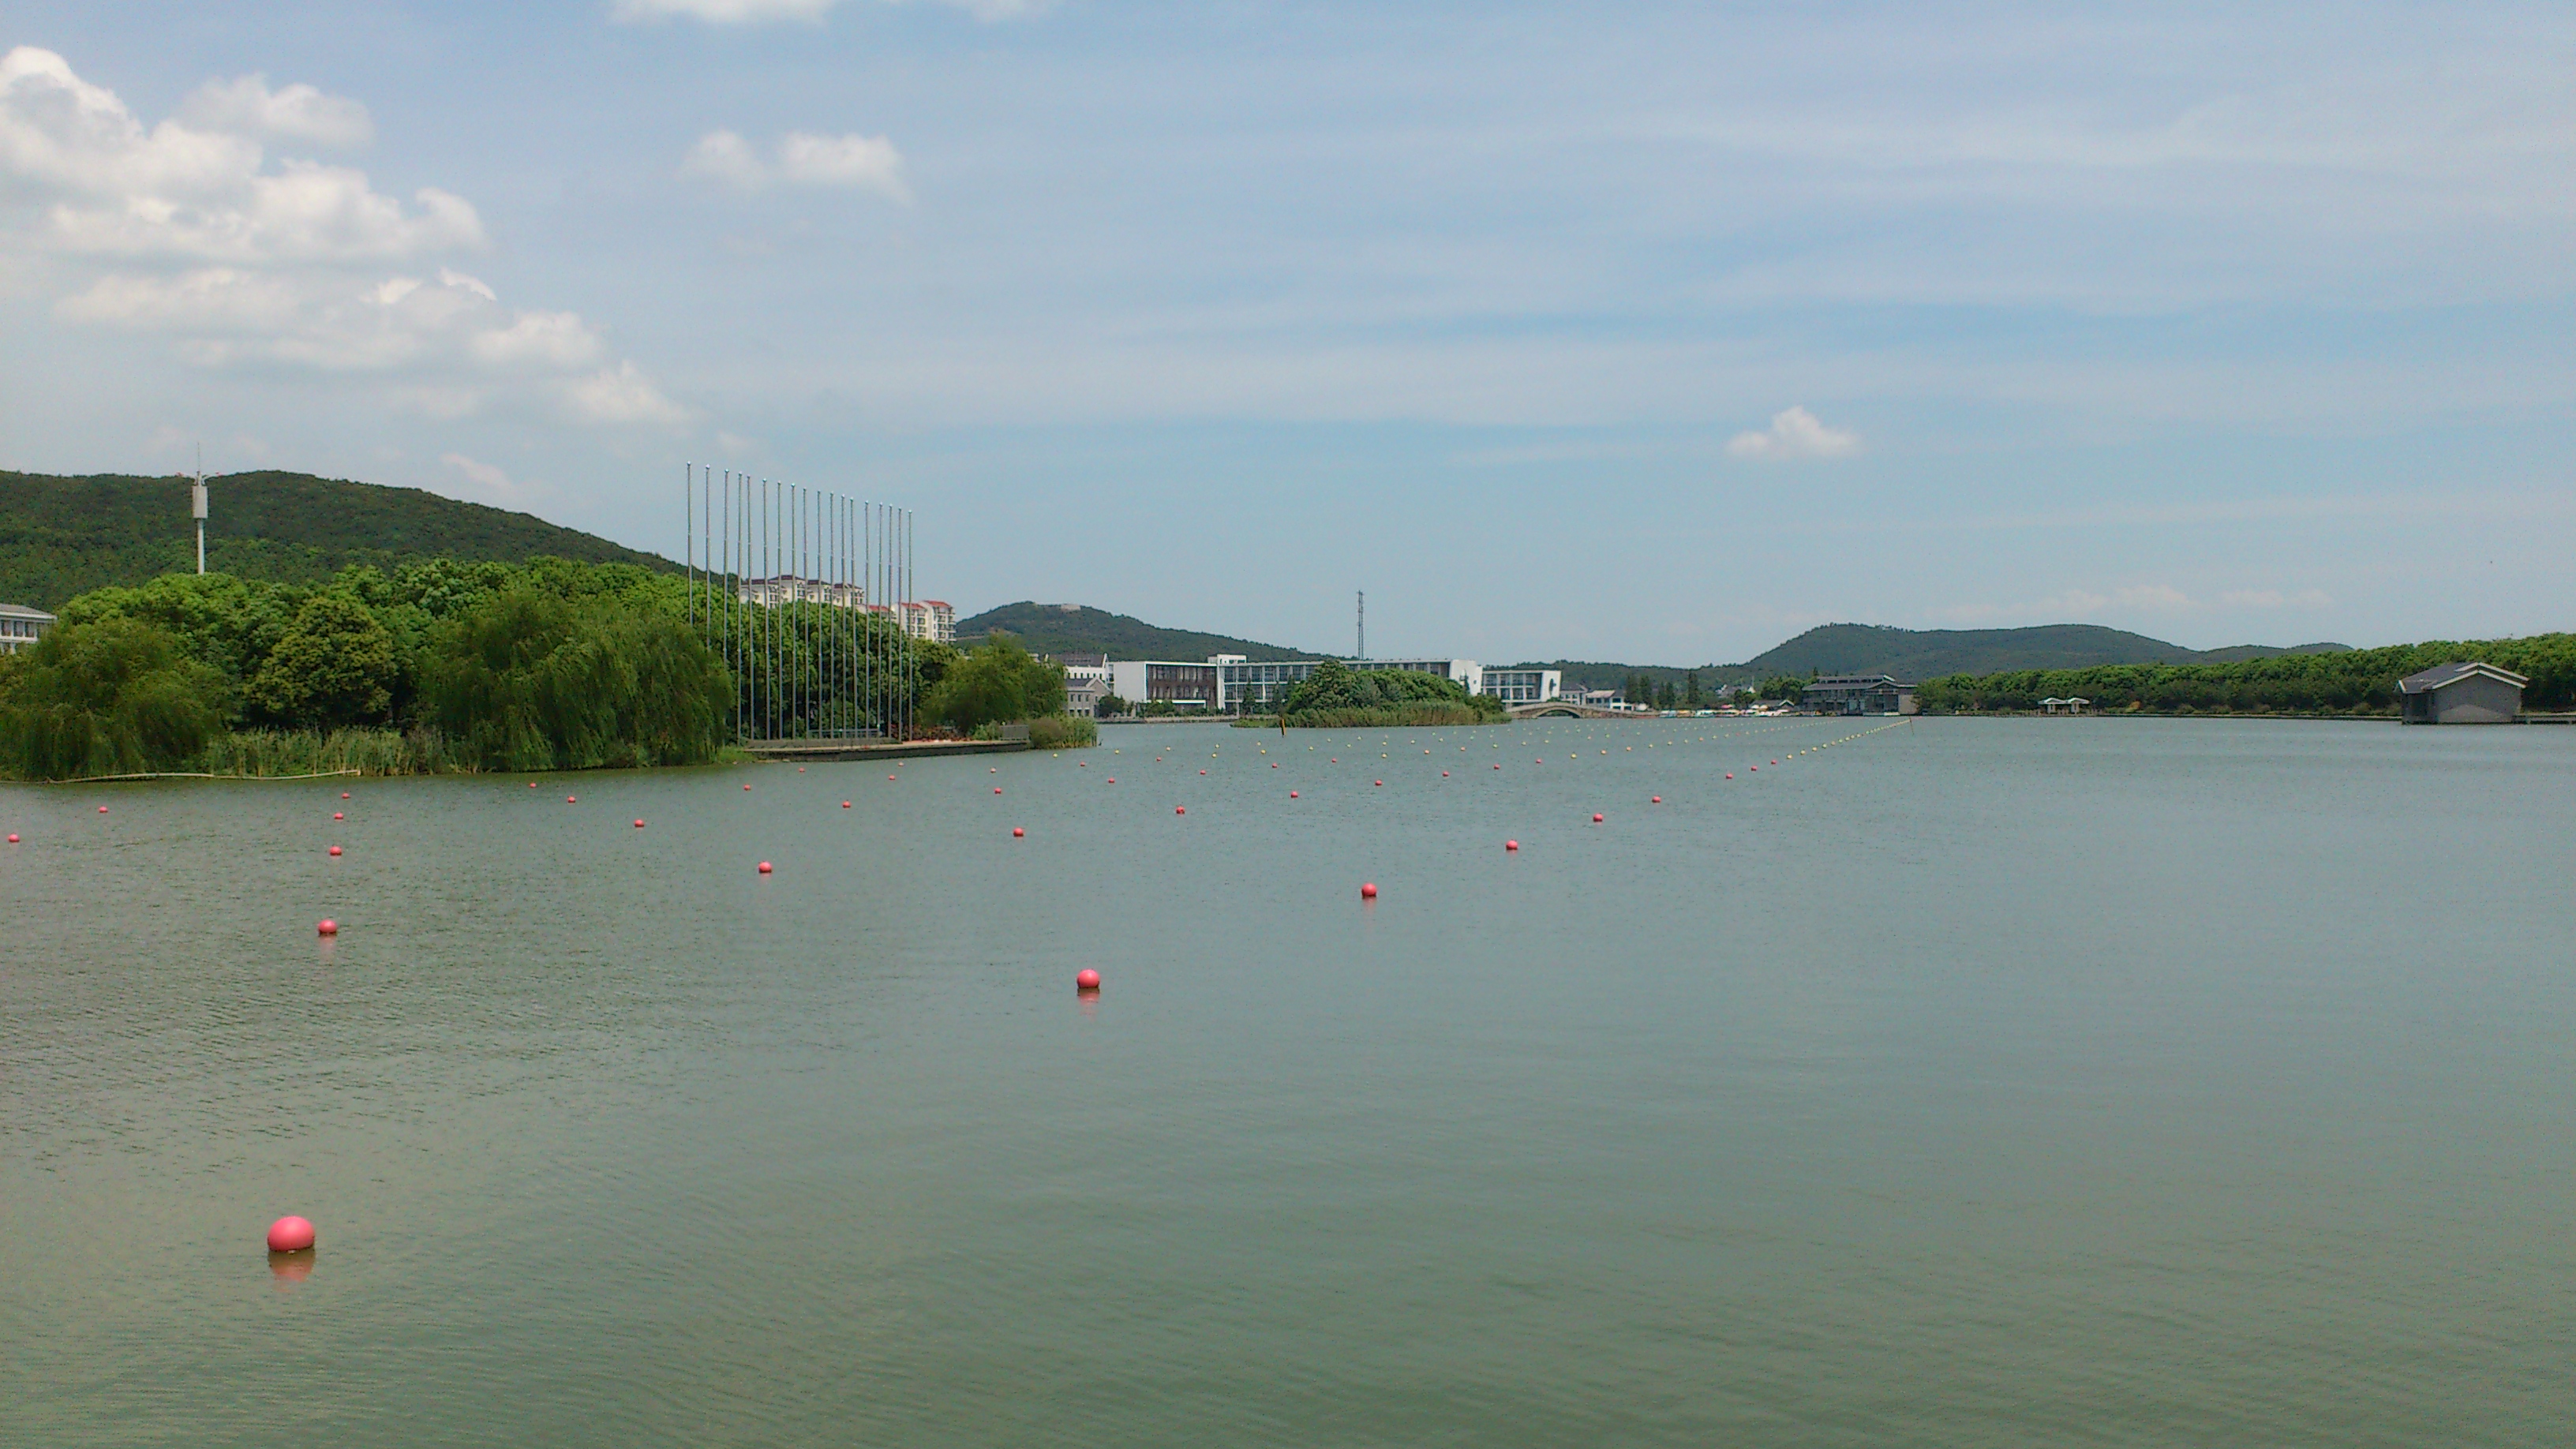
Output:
(1961, 1082)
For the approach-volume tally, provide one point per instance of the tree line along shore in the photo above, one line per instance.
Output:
(443, 666)
(2358, 683)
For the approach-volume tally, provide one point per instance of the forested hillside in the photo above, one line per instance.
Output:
(60, 537)
(1079, 628)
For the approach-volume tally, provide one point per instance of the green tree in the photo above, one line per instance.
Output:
(995, 683)
(116, 696)
(334, 667)
(529, 681)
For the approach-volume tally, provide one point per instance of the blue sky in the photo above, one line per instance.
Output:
(1636, 332)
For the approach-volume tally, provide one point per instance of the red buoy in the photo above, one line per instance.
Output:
(336, 815)
(568, 800)
(1658, 800)
(1291, 795)
(290, 1235)
(532, 784)
(1017, 832)
(1113, 779)
(13, 837)
(1730, 774)
(1180, 810)
(1368, 890)
(845, 804)
(1511, 845)
(335, 850)
(328, 927)
(102, 810)
(344, 794)
(1444, 774)
(748, 787)
(889, 779)
(639, 824)
(1086, 979)
(997, 789)
(1596, 817)
(1377, 782)
(1202, 772)
(764, 867)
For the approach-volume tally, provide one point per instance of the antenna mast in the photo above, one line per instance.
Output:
(197, 505)
(1363, 631)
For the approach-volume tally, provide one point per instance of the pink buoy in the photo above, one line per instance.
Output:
(1017, 831)
(639, 824)
(1202, 772)
(335, 850)
(1368, 890)
(1596, 817)
(1291, 795)
(1377, 782)
(1180, 810)
(1658, 800)
(1113, 779)
(1086, 979)
(1444, 774)
(889, 780)
(328, 927)
(102, 810)
(336, 815)
(748, 787)
(845, 804)
(1775, 762)
(1730, 774)
(290, 1235)
(344, 794)
(568, 800)
(1511, 845)
(997, 789)
(764, 867)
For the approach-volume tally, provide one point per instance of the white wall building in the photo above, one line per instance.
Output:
(769, 593)
(21, 627)
(1525, 686)
(928, 619)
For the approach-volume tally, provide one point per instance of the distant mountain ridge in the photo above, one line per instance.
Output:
(63, 536)
(1918, 654)
(1081, 629)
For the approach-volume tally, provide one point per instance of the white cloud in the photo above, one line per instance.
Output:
(1795, 433)
(247, 107)
(758, 12)
(726, 157)
(621, 394)
(870, 162)
(239, 265)
(200, 195)
(724, 12)
(2275, 599)
(486, 476)
(802, 159)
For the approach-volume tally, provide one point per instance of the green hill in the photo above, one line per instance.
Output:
(1081, 629)
(1916, 654)
(65, 536)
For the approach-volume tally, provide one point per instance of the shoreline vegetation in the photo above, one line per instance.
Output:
(443, 667)
(2347, 684)
(1336, 696)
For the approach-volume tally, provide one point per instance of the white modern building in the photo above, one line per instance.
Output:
(1232, 683)
(928, 619)
(1525, 686)
(21, 626)
(769, 593)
